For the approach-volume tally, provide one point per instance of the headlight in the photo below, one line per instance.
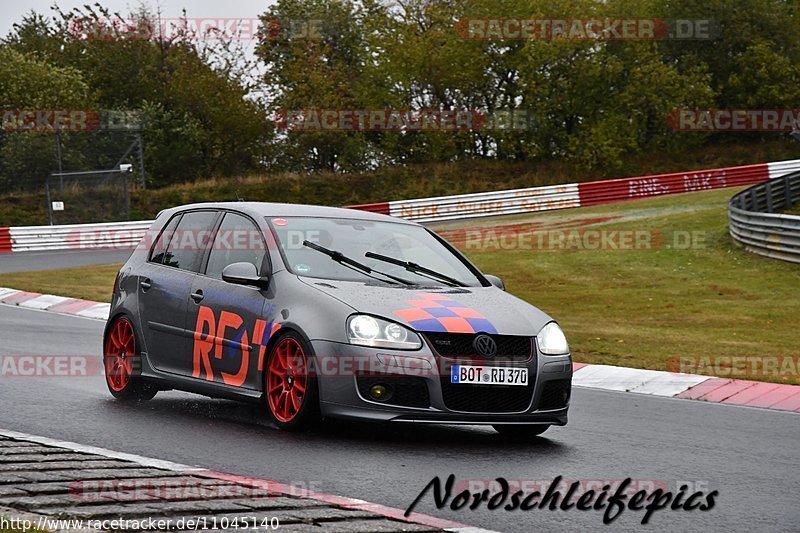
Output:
(552, 340)
(370, 331)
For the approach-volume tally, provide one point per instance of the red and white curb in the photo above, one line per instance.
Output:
(605, 377)
(688, 386)
(55, 304)
(274, 486)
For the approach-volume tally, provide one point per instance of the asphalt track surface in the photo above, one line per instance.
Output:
(50, 260)
(748, 455)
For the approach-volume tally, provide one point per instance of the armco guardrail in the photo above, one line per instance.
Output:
(75, 236)
(438, 209)
(754, 224)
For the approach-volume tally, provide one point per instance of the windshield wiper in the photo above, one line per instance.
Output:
(417, 269)
(342, 259)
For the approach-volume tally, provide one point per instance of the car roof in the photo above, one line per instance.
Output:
(268, 209)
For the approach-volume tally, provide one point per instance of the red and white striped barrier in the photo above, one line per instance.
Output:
(5, 240)
(122, 235)
(551, 197)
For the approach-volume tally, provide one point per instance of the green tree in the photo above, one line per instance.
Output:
(318, 55)
(752, 55)
(207, 118)
(28, 82)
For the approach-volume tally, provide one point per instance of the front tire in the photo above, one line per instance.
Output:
(521, 431)
(290, 388)
(122, 364)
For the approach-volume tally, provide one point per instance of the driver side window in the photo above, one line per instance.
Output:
(237, 240)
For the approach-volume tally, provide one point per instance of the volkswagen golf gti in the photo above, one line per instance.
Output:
(321, 312)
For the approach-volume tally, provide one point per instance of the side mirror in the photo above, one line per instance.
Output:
(244, 274)
(494, 280)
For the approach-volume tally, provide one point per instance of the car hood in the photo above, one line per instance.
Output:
(446, 309)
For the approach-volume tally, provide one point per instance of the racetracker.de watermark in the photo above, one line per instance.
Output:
(737, 366)
(399, 120)
(744, 120)
(576, 239)
(50, 366)
(71, 120)
(206, 29)
(183, 489)
(583, 29)
(176, 240)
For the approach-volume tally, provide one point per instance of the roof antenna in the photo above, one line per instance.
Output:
(239, 198)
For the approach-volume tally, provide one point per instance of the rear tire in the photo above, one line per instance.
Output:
(521, 431)
(122, 364)
(291, 395)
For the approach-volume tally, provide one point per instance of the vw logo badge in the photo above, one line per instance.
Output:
(485, 346)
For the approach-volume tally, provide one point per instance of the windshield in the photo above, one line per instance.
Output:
(354, 238)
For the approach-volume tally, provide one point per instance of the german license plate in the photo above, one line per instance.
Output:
(488, 375)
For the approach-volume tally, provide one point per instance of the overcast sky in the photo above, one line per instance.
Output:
(11, 11)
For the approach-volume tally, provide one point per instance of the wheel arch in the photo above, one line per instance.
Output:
(112, 320)
(284, 330)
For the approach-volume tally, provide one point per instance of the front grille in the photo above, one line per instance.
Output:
(485, 398)
(459, 345)
(405, 391)
(555, 394)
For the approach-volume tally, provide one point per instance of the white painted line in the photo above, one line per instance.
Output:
(44, 301)
(616, 378)
(669, 384)
(138, 459)
(586, 371)
(99, 311)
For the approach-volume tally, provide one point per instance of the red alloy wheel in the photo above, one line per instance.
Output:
(287, 380)
(120, 349)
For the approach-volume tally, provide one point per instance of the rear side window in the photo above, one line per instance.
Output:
(160, 247)
(238, 240)
(190, 239)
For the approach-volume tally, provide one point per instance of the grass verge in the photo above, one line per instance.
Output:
(88, 283)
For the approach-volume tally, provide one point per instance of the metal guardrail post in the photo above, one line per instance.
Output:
(49, 202)
(140, 156)
(768, 190)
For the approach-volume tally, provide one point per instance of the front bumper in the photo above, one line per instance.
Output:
(340, 364)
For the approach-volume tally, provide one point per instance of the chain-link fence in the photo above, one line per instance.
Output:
(83, 161)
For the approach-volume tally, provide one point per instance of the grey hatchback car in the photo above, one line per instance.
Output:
(323, 312)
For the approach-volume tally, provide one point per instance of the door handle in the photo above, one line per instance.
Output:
(145, 284)
(197, 296)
